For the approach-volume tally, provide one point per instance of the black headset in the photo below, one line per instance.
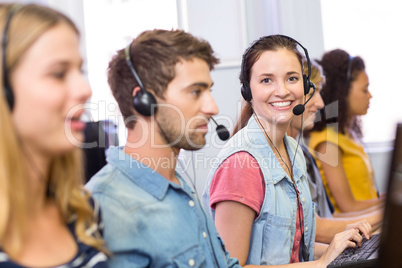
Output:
(349, 71)
(8, 92)
(144, 102)
(307, 84)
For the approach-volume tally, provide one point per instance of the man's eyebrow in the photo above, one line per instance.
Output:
(200, 84)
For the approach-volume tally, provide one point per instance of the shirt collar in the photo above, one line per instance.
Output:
(140, 174)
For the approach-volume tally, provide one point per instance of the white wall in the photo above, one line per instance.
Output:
(371, 29)
(72, 8)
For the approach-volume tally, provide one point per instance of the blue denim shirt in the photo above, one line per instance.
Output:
(152, 222)
(274, 229)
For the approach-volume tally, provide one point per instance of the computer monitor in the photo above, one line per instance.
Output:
(390, 254)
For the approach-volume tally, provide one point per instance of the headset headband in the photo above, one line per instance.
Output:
(8, 92)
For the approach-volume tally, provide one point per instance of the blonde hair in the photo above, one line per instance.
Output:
(65, 186)
(317, 74)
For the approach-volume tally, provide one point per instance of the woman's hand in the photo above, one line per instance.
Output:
(363, 226)
(341, 241)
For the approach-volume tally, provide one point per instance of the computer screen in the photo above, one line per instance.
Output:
(390, 254)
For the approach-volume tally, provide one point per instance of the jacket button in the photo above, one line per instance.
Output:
(191, 203)
(191, 262)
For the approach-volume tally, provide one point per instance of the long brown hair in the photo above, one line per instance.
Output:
(251, 56)
(65, 174)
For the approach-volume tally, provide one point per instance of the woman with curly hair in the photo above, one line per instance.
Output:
(336, 138)
(46, 217)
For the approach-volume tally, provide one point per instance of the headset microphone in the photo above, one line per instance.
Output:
(223, 132)
(299, 109)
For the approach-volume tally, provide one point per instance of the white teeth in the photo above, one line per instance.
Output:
(281, 104)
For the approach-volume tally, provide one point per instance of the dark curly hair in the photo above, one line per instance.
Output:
(340, 70)
(154, 55)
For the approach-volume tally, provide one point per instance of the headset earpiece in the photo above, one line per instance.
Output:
(246, 92)
(311, 85)
(306, 84)
(245, 88)
(8, 92)
(144, 102)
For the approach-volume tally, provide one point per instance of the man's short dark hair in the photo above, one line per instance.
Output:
(154, 55)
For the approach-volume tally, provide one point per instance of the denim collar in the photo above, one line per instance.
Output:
(140, 174)
(258, 138)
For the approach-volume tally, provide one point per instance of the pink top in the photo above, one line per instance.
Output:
(296, 244)
(240, 179)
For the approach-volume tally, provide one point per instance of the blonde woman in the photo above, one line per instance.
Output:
(46, 218)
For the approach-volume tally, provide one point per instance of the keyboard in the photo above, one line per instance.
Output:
(352, 256)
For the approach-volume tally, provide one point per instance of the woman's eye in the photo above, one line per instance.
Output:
(266, 80)
(293, 79)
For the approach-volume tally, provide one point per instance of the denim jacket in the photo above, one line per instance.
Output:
(151, 222)
(274, 229)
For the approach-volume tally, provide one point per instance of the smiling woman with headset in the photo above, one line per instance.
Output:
(258, 194)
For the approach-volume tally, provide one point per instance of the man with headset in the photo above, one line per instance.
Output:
(162, 84)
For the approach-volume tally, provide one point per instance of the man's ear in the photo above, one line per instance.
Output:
(135, 91)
